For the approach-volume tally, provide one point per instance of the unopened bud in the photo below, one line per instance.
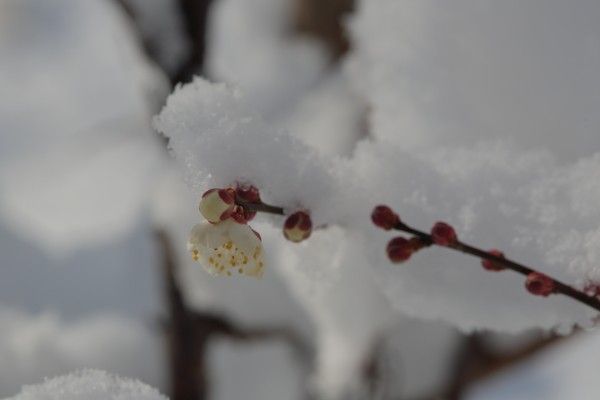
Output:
(443, 234)
(297, 227)
(217, 204)
(384, 217)
(399, 249)
(539, 284)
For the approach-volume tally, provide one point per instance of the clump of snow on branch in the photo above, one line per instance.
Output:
(490, 198)
(89, 385)
(213, 130)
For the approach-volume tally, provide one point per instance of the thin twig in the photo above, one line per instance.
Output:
(560, 287)
(260, 207)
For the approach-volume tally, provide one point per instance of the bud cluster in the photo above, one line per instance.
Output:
(218, 205)
(400, 249)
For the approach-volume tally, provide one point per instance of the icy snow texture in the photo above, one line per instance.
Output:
(201, 117)
(35, 346)
(89, 385)
(71, 129)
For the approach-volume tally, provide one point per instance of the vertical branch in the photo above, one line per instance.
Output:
(189, 333)
(186, 353)
(195, 16)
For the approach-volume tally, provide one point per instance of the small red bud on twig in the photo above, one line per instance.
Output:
(399, 249)
(492, 265)
(443, 234)
(297, 227)
(539, 284)
(384, 217)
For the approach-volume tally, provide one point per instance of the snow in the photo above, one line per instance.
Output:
(254, 371)
(33, 346)
(250, 45)
(440, 73)
(71, 128)
(89, 385)
(237, 145)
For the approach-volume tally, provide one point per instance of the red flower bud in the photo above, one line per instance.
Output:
(539, 284)
(443, 234)
(384, 217)
(492, 265)
(399, 249)
(297, 227)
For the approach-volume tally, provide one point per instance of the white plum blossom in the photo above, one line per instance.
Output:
(227, 248)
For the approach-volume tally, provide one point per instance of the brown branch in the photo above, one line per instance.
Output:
(323, 19)
(195, 18)
(427, 240)
(560, 287)
(475, 362)
(260, 207)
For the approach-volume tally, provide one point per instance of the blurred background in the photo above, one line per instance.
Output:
(94, 214)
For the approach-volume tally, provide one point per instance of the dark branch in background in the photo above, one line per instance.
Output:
(475, 362)
(560, 287)
(195, 17)
(189, 333)
(323, 19)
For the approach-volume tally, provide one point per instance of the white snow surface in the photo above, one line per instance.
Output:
(89, 385)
